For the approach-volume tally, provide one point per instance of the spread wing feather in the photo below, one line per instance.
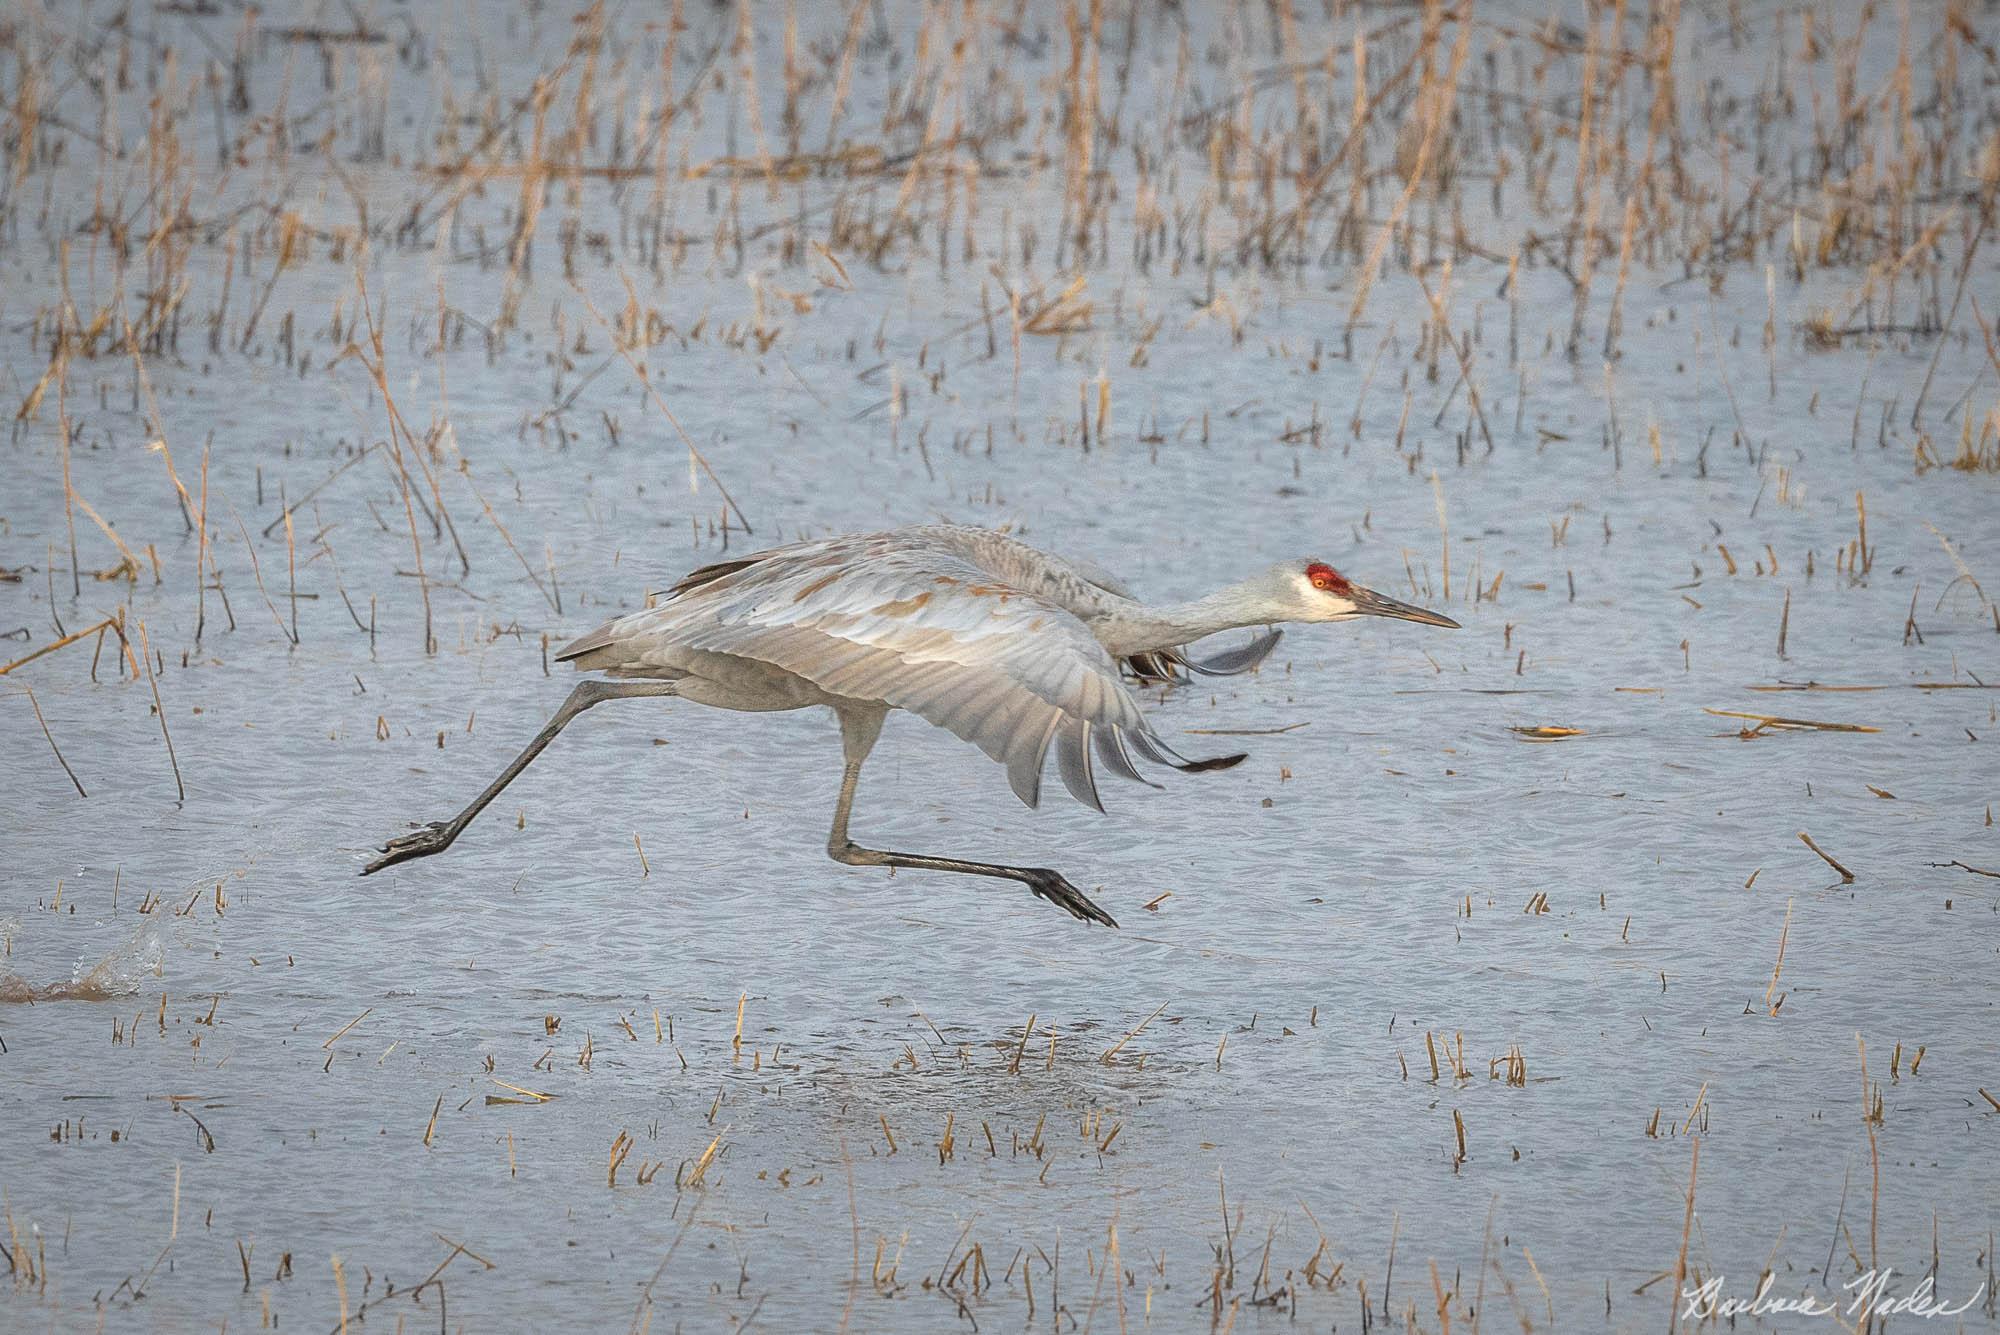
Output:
(1170, 665)
(924, 620)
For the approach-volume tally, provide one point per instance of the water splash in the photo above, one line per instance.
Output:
(118, 974)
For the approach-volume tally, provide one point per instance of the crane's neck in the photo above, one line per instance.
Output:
(1129, 627)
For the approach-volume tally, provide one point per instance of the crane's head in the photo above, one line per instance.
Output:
(1318, 592)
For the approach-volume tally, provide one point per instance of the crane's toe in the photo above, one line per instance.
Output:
(432, 838)
(1051, 886)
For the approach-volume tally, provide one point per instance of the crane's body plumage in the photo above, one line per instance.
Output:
(969, 629)
(1010, 648)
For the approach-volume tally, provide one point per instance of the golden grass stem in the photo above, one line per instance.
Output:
(1687, 1229)
(109, 623)
(146, 657)
(1114, 1049)
(1846, 876)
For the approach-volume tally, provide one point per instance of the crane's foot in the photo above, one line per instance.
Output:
(1051, 886)
(435, 837)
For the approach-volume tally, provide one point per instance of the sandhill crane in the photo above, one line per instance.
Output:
(1012, 649)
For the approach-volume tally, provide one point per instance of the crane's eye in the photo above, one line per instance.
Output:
(1326, 579)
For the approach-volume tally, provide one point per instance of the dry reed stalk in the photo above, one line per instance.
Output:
(744, 49)
(335, 1037)
(1846, 876)
(128, 564)
(1438, 103)
(54, 748)
(932, 138)
(109, 623)
(1778, 967)
(291, 576)
(621, 1146)
(1014, 1067)
(1864, 554)
(1114, 1049)
(378, 372)
(257, 574)
(695, 457)
(1775, 723)
(1444, 530)
(707, 1157)
(493, 517)
(1279, 230)
(1464, 359)
(1870, 1116)
(528, 210)
(1687, 1229)
(201, 536)
(63, 437)
(146, 657)
(173, 1232)
(1700, 1099)
(1589, 171)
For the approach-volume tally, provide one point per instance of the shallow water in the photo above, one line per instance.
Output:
(306, 1094)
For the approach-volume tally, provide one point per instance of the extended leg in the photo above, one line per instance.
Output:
(858, 731)
(436, 837)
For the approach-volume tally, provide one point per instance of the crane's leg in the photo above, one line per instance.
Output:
(858, 731)
(437, 836)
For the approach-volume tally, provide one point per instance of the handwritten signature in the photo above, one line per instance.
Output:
(1867, 1296)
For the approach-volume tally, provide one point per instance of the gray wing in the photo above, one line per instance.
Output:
(909, 619)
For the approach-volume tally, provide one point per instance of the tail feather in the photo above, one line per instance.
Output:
(601, 638)
(694, 579)
(598, 639)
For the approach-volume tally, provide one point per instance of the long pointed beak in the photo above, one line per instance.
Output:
(1370, 603)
